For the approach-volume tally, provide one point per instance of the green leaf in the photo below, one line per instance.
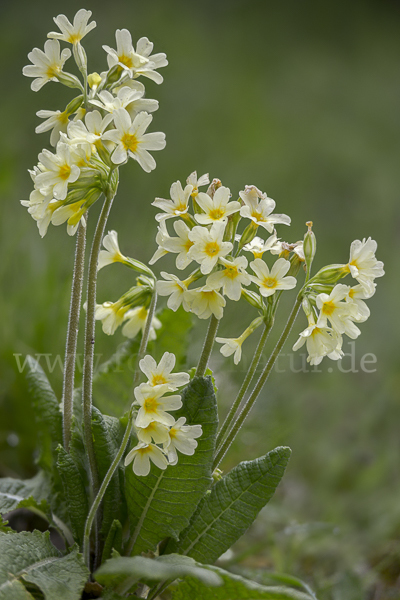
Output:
(113, 541)
(106, 448)
(233, 504)
(4, 526)
(287, 580)
(75, 492)
(161, 504)
(64, 578)
(47, 412)
(31, 493)
(233, 586)
(141, 569)
(14, 590)
(32, 557)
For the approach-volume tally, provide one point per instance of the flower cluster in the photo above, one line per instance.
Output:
(98, 130)
(337, 308)
(159, 435)
(207, 236)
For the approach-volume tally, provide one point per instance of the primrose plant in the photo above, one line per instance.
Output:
(135, 500)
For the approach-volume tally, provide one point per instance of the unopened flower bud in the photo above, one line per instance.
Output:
(306, 306)
(253, 299)
(248, 234)
(69, 80)
(113, 74)
(330, 274)
(320, 288)
(94, 80)
(80, 56)
(309, 246)
(231, 226)
(73, 105)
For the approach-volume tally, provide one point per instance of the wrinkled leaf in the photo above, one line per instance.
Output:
(234, 587)
(30, 493)
(64, 578)
(139, 568)
(14, 590)
(105, 450)
(74, 491)
(233, 504)
(161, 504)
(47, 413)
(32, 557)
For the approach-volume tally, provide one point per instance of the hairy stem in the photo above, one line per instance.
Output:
(247, 380)
(102, 490)
(89, 345)
(259, 385)
(208, 346)
(72, 335)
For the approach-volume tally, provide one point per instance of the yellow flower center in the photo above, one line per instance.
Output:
(143, 451)
(74, 38)
(151, 427)
(351, 293)
(315, 331)
(257, 216)
(172, 433)
(126, 60)
(188, 245)
(52, 71)
(180, 208)
(328, 307)
(209, 296)
(63, 118)
(270, 282)
(158, 379)
(212, 248)
(231, 272)
(64, 172)
(216, 214)
(130, 141)
(150, 405)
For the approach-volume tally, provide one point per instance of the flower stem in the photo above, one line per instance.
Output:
(72, 335)
(247, 380)
(102, 490)
(208, 346)
(259, 385)
(89, 343)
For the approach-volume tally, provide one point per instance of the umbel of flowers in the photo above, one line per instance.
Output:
(103, 126)
(206, 227)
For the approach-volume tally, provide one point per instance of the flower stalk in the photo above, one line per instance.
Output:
(103, 487)
(87, 386)
(259, 385)
(208, 346)
(72, 335)
(245, 385)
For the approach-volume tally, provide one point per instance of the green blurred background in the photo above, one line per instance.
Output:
(301, 99)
